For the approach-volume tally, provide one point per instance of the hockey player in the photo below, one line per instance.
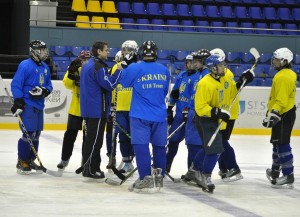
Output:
(30, 86)
(96, 85)
(229, 169)
(123, 97)
(148, 114)
(193, 140)
(211, 105)
(180, 98)
(281, 117)
(72, 82)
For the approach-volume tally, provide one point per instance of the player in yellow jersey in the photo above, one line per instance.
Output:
(72, 82)
(229, 169)
(281, 117)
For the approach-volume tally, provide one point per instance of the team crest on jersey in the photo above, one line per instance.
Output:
(42, 80)
(226, 85)
(182, 87)
(221, 95)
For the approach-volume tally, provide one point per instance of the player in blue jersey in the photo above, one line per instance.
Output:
(180, 98)
(148, 115)
(96, 85)
(192, 138)
(30, 86)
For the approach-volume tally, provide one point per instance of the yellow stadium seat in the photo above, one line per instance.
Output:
(109, 7)
(111, 20)
(82, 18)
(98, 25)
(78, 5)
(93, 6)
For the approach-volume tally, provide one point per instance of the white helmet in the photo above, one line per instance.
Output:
(118, 57)
(189, 57)
(129, 46)
(283, 54)
(218, 52)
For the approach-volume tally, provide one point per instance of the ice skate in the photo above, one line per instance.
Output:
(284, 182)
(126, 167)
(208, 186)
(111, 162)
(98, 176)
(23, 167)
(222, 173)
(233, 175)
(35, 167)
(62, 164)
(194, 176)
(272, 174)
(147, 185)
(159, 179)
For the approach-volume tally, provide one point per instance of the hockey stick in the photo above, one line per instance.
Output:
(256, 55)
(45, 170)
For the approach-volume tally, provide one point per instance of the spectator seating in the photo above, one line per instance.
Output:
(138, 8)
(113, 23)
(159, 23)
(78, 6)
(109, 7)
(124, 8)
(153, 8)
(93, 6)
(81, 21)
(98, 25)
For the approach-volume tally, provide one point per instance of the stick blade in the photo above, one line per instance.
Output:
(254, 52)
(54, 173)
(112, 182)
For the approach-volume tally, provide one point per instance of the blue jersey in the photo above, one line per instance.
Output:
(181, 84)
(150, 82)
(29, 75)
(194, 79)
(96, 85)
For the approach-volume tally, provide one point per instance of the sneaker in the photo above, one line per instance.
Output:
(127, 167)
(208, 185)
(272, 174)
(284, 182)
(159, 179)
(23, 167)
(35, 167)
(63, 164)
(145, 185)
(111, 162)
(233, 174)
(195, 176)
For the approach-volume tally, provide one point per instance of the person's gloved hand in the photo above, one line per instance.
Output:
(73, 68)
(18, 107)
(170, 115)
(39, 92)
(272, 119)
(217, 113)
(247, 75)
(185, 112)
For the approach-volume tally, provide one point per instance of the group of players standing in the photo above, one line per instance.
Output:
(130, 98)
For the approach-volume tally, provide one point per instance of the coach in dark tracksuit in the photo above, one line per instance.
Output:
(96, 85)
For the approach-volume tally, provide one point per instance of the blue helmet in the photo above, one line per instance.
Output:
(213, 61)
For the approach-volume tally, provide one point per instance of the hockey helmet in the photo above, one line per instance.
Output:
(85, 54)
(149, 50)
(218, 52)
(283, 54)
(38, 50)
(129, 46)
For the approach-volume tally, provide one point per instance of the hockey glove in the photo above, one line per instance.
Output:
(217, 113)
(73, 68)
(175, 94)
(247, 75)
(39, 92)
(18, 107)
(185, 112)
(170, 115)
(272, 119)
(128, 59)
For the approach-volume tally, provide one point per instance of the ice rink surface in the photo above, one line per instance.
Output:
(71, 195)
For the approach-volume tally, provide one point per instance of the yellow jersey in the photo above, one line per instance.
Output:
(234, 111)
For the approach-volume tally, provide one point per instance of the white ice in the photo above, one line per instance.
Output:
(43, 195)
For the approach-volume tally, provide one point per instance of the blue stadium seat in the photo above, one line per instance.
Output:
(226, 11)
(197, 11)
(248, 26)
(256, 82)
(112, 52)
(235, 1)
(296, 59)
(265, 57)
(270, 72)
(153, 8)
(183, 10)
(261, 28)
(269, 13)
(255, 13)
(60, 50)
(234, 26)
(163, 54)
(247, 57)
(249, 1)
(204, 26)
(291, 26)
(212, 11)
(289, 2)
(284, 14)
(158, 22)
(296, 14)
(124, 8)
(62, 65)
(217, 24)
(175, 27)
(75, 51)
(276, 1)
(186, 23)
(144, 24)
(263, 2)
(296, 68)
(127, 26)
(233, 56)
(138, 8)
(260, 71)
(239, 69)
(240, 12)
(267, 82)
(180, 54)
(276, 29)
(179, 65)
(168, 9)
